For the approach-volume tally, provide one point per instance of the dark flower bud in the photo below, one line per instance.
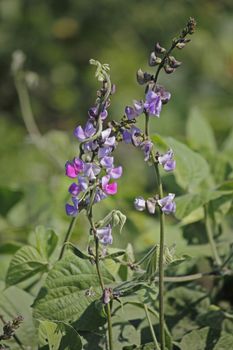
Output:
(168, 69)
(191, 25)
(143, 78)
(153, 59)
(173, 62)
(159, 49)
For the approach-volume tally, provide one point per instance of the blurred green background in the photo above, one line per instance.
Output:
(58, 38)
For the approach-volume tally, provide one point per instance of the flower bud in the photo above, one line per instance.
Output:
(173, 62)
(159, 49)
(180, 45)
(152, 59)
(151, 204)
(143, 77)
(139, 203)
(168, 69)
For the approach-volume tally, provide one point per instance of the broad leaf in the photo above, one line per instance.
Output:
(191, 168)
(26, 263)
(65, 296)
(45, 241)
(200, 133)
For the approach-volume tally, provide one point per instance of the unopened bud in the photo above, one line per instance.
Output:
(191, 25)
(180, 45)
(152, 59)
(173, 62)
(151, 205)
(168, 69)
(159, 49)
(143, 78)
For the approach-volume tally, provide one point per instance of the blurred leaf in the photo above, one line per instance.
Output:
(187, 203)
(159, 142)
(10, 247)
(191, 168)
(25, 263)
(199, 133)
(64, 297)
(8, 198)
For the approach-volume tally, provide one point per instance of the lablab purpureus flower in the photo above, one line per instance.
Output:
(74, 168)
(104, 235)
(146, 146)
(140, 203)
(83, 134)
(167, 204)
(153, 103)
(108, 188)
(167, 161)
(72, 210)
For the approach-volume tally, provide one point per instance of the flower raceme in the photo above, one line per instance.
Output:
(95, 170)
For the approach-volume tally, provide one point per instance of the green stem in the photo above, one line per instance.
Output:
(147, 124)
(211, 237)
(151, 328)
(161, 265)
(67, 236)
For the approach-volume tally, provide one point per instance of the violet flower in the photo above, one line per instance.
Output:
(167, 161)
(135, 111)
(104, 235)
(72, 210)
(146, 146)
(153, 103)
(168, 206)
(140, 203)
(83, 134)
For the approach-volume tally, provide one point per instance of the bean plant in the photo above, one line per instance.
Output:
(58, 296)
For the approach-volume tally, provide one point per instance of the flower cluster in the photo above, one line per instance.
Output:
(94, 171)
(153, 103)
(166, 204)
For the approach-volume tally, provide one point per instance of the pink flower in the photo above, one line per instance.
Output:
(74, 168)
(107, 187)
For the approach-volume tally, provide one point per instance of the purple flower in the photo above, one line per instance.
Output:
(107, 162)
(91, 170)
(135, 111)
(167, 161)
(74, 168)
(93, 113)
(74, 189)
(99, 196)
(115, 173)
(167, 205)
(153, 104)
(104, 235)
(146, 146)
(164, 95)
(72, 210)
(140, 203)
(88, 131)
(108, 143)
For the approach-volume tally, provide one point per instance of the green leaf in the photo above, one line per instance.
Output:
(187, 203)
(199, 133)
(191, 168)
(8, 198)
(225, 342)
(45, 241)
(10, 247)
(49, 334)
(59, 336)
(195, 340)
(159, 142)
(14, 302)
(64, 296)
(25, 263)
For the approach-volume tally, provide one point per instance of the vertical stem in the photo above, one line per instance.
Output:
(146, 124)
(151, 328)
(67, 236)
(161, 267)
(211, 238)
